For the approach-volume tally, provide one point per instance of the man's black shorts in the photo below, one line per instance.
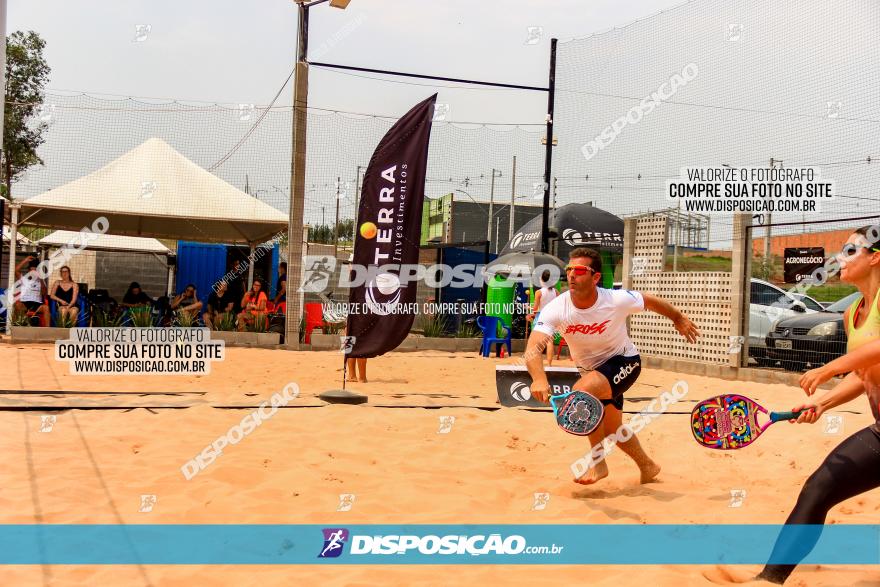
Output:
(621, 372)
(32, 306)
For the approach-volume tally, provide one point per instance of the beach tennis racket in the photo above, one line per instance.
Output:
(577, 412)
(729, 422)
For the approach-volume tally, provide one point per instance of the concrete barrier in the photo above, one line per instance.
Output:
(24, 334)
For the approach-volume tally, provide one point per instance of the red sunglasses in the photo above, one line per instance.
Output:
(579, 270)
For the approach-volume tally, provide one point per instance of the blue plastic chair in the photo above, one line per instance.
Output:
(82, 317)
(489, 326)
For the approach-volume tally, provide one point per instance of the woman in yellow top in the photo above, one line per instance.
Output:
(854, 466)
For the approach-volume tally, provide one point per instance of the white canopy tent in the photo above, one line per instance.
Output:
(106, 242)
(153, 191)
(23, 241)
(112, 242)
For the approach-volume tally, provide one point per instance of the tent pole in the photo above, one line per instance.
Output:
(170, 289)
(10, 287)
(251, 267)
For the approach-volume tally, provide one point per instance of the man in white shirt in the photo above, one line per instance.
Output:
(32, 290)
(593, 322)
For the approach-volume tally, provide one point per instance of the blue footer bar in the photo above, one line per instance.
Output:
(438, 544)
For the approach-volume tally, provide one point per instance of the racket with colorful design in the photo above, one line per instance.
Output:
(577, 412)
(729, 422)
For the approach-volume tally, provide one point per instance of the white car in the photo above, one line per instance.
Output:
(768, 304)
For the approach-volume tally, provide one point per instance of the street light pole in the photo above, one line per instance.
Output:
(491, 204)
(298, 171)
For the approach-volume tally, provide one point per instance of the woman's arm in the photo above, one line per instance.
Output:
(858, 359)
(848, 389)
(261, 304)
(52, 291)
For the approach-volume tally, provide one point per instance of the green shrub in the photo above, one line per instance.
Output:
(433, 325)
(141, 317)
(184, 319)
(260, 323)
(224, 322)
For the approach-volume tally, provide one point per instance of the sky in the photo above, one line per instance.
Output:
(233, 52)
(792, 80)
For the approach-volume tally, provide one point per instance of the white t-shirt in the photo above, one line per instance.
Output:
(597, 333)
(548, 294)
(31, 288)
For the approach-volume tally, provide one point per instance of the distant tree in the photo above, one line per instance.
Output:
(26, 74)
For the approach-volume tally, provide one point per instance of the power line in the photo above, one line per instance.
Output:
(252, 129)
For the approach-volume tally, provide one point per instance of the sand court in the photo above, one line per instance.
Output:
(115, 439)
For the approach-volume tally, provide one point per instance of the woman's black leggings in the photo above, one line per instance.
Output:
(851, 468)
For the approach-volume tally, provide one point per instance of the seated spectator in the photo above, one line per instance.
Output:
(135, 297)
(187, 301)
(33, 290)
(253, 304)
(219, 302)
(281, 296)
(65, 292)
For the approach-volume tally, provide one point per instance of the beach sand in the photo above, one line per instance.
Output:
(95, 464)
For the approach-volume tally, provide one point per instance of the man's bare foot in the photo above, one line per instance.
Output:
(363, 379)
(598, 472)
(350, 378)
(649, 471)
(730, 575)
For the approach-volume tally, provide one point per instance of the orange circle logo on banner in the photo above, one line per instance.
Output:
(368, 230)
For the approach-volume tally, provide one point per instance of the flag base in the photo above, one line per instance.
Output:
(343, 396)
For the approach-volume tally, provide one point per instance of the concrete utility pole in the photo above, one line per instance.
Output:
(336, 224)
(512, 199)
(298, 171)
(491, 204)
(767, 263)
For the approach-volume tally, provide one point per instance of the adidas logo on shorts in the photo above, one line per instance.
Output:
(624, 372)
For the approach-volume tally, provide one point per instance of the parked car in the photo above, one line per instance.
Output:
(809, 302)
(808, 341)
(768, 304)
